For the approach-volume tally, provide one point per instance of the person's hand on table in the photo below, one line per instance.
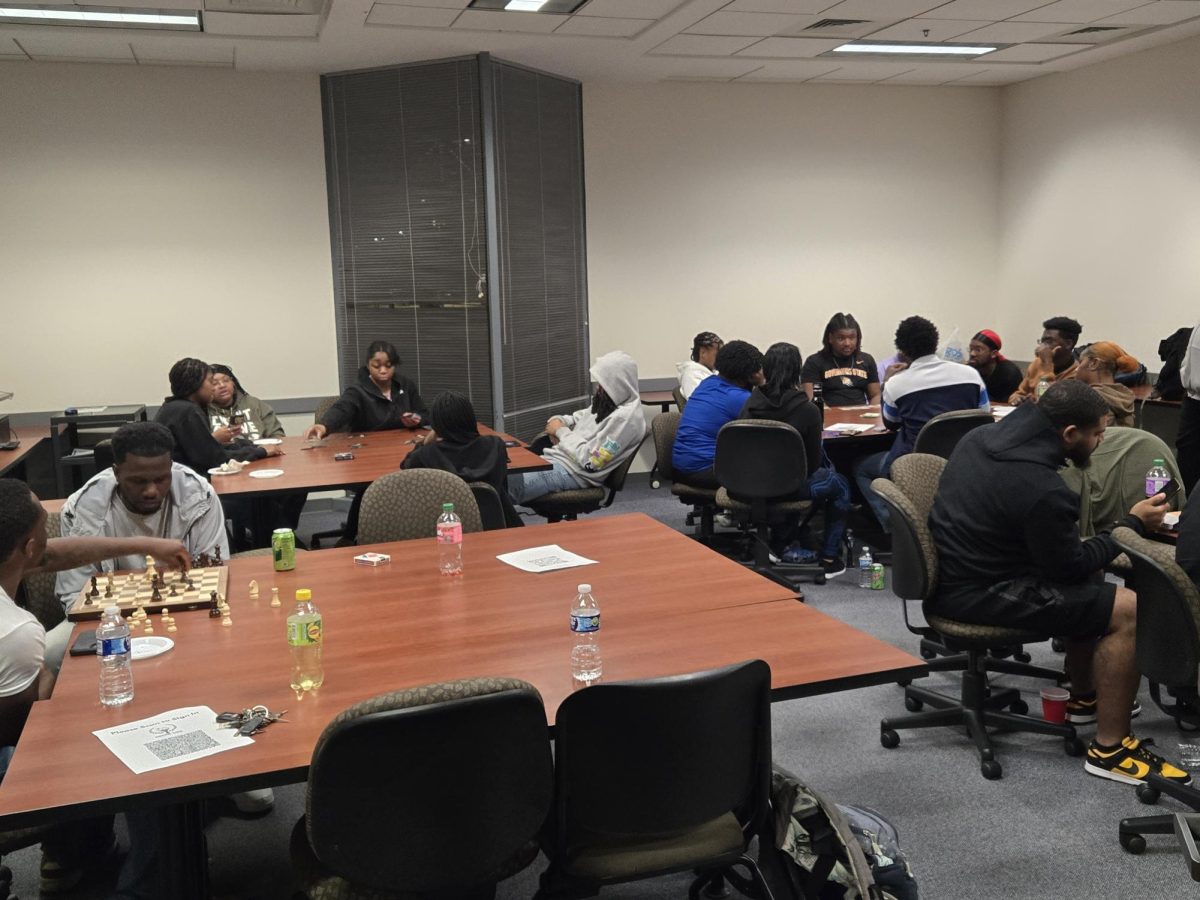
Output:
(1018, 399)
(410, 420)
(226, 433)
(169, 552)
(430, 438)
(274, 450)
(316, 433)
(1151, 511)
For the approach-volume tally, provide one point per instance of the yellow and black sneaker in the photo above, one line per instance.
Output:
(1082, 710)
(1131, 762)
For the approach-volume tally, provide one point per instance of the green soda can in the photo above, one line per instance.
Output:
(283, 549)
(877, 581)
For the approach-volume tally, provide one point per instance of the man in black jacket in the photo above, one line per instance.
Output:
(1007, 534)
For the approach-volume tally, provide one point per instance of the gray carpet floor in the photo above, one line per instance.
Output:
(1045, 830)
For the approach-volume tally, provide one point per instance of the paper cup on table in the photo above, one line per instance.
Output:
(1054, 704)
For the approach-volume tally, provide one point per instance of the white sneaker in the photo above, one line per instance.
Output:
(254, 802)
(725, 520)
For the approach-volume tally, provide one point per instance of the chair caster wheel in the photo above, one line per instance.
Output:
(1148, 794)
(889, 739)
(1019, 707)
(1057, 645)
(991, 769)
(1073, 746)
(1133, 843)
(912, 704)
(1022, 656)
(820, 579)
(927, 653)
(655, 484)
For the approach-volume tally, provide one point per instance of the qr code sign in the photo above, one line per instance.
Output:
(177, 745)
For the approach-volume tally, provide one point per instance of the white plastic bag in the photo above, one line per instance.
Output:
(953, 349)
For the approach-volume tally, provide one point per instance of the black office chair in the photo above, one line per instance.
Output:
(570, 505)
(1187, 827)
(1168, 655)
(333, 533)
(660, 776)
(914, 577)
(491, 507)
(941, 434)
(437, 791)
(703, 501)
(761, 466)
(102, 455)
(11, 842)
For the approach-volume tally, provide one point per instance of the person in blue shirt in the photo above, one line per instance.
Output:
(716, 400)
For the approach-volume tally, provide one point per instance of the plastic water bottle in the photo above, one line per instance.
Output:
(1043, 385)
(305, 638)
(864, 567)
(1157, 478)
(586, 664)
(449, 539)
(112, 646)
(819, 397)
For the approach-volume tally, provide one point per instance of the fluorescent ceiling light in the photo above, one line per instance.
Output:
(922, 49)
(525, 5)
(43, 16)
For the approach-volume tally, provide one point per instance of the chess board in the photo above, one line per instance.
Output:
(133, 589)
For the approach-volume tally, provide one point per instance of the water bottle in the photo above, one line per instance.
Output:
(1157, 478)
(305, 637)
(1043, 385)
(864, 567)
(819, 398)
(449, 539)
(586, 664)
(112, 646)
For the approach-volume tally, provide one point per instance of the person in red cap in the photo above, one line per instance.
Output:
(1000, 376)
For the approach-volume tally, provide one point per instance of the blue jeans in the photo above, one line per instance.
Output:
(868, 469)
(526, 486)
(826, 485)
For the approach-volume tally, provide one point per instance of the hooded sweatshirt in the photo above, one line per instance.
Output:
(590, 450)
(794, 408)
(1002, 511)
(362, 406)
(258, 419)
(195, 447)
(479, 458)
(691, 373)
(1120, 403)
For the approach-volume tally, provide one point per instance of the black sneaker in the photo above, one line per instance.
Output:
(1083, 712)
(1131, 763)
(833, 567)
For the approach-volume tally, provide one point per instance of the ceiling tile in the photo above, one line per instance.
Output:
(1079, 10)
(441, 4)
(938, 73)
(781, 6)
(412, 16)
(1000, 75)
(499, 20)
(914, 30)
(9, 49)
(792, 70)
(879, 10)
(752, 24)
(790, 48)
(594, 26)
(1031, 53)
(701, 45)
(76, 46)
(867, 71)
(708, 69)
(1014, 32)
(984, 10)
(183, 52)
(261, 25)
(630, 9)
(1165, 12)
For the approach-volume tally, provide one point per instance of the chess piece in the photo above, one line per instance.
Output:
(214, 610)
(109, 581)
(171, 629)
(151, 572)
(156, 595)
(108, 590)
(216, 561)
(275, 597)
(253, 590)
(173, 590)
(227, 621)
(95, 591)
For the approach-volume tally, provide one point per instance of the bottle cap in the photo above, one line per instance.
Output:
(584, 588)
(447, 507)
(109, 609)
(1159, 462)
(303, 594)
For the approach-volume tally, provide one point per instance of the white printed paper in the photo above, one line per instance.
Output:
(1000, 412)
(851, 427)
(170, 738)
(89, 410)
(544, 559)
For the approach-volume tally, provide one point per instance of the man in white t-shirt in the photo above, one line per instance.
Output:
(24, 677)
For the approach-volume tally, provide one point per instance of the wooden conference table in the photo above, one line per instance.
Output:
(29, 436)
(310, 466)
(669, 604)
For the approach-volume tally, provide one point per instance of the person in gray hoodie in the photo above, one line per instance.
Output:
(588, 444)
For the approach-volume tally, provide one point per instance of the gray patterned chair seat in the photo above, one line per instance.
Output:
(405, 505)
(780, 508)
(986, 635)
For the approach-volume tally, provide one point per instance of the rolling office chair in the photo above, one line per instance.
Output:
(659, 776)
(761, 466)
(491, 507)
(914, 577)
(404, 505)
(333, 533)
(941, 434)
(702, 500)
(437, 791)
(572, 504)
(1168, 654)
(680, 400)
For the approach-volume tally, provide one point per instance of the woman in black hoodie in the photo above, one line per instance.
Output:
(782, 400)
(381, 398)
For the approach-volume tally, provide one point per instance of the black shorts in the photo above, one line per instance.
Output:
(1059, 610)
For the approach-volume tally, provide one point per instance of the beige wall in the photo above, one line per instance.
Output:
(1100, 199)
(152, 213)
(758, 211)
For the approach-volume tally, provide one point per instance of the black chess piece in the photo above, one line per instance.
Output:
(173, 591)
(216, 560)
(214, 611)
(155, 595)
(95, 591)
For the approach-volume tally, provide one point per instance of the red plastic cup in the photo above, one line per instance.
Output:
(1054, 704)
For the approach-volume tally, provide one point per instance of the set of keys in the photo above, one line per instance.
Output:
(250, 721)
